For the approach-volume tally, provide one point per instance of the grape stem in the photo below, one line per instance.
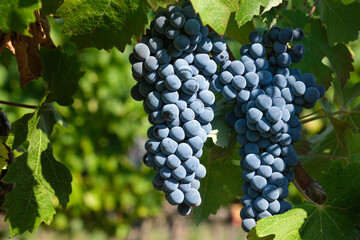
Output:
(302, 117)
(18, 104)
(308, 187)
(321, 116)
(314, 8)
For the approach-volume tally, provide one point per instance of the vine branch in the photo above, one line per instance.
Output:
(18, 104)
(302, 117)
(321, 116)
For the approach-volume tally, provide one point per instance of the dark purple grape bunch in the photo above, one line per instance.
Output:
(268, 99)
(173, 65)
(282, 50)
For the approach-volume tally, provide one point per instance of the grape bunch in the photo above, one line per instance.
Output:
(268, 99)
(173, 65)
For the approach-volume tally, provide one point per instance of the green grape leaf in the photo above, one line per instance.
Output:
(4, 155)
(220, 133)
(37, 175)
(271, 4)
(339, 20)
(248, 9)
(216, 13)
(50, 6)
(224, 152)
(339, 125)
(338, 216)
(280, 227)
(324, 149)
(155, 4)
(294, 18)
(317, 48)
(341, 62)
(352, 146)
(19, 131)
(29, 203)
(237, 33)
(16, 15)
(104, 23)
(220, 186)
(61, 74)
(353, 117)
(351, 92)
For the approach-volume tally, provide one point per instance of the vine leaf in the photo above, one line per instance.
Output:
(61, 74)
(317, 47)
(279, 227)
(323, 144)
(340, 214)
(239, 34)
(36, 173)
(155, 4)
(272, 3)
(295, 18)
(340, 126)
(341, 62)
(103, 23)
(4, 155)
(339, 20)
(216, 13)
(351, 92)
(221, 132)
(248, 9)
(16, 16)
(50, 6)
(352, 140)
(220, 186)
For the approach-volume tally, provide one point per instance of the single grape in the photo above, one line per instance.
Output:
(192, 197)
(311, 95)
(285, 35)
(192, 27)
(261, 204)
(179, 173)
(184, 151)
(264, 171)
(280, 47)
(255, 37)
(270, 192)
(248, 223)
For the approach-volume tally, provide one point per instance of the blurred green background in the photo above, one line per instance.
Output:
(112, 194)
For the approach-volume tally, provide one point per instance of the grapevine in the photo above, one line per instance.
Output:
(269, 99)
(109, 108)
